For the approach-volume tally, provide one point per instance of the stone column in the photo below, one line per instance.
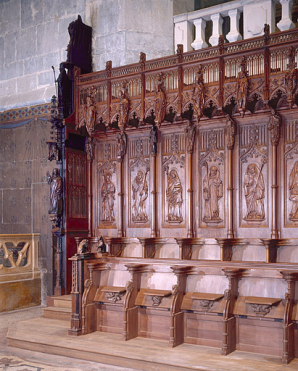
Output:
(234, 34)
(286, 16)
(199, 42)
(217, 28)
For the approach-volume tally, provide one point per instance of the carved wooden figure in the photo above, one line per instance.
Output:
(254, 191)
(242, 87)
(160, 99)
(198, 93)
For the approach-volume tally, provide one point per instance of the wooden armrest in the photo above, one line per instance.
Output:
(118, 289)
(259, 300)
(154, 292)
(205, 296)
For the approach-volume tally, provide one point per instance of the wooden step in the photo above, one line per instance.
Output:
(62, 301)
(57, 313)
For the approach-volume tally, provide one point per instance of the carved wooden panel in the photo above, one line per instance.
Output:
(173, 180)
(76, 187)
(211, 175)
(253, 176)
(291, 174)
(138, 183)
(107, 185)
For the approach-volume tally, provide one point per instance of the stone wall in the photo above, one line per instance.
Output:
(24, 192)
(34, 37)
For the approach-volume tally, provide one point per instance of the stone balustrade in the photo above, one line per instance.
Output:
(255, 15)
(19, 272)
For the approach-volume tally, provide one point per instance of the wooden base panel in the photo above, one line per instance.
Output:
(51, 336)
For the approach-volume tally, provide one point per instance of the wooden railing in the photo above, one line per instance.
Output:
(267, 57)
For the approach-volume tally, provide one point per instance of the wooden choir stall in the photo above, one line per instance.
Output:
(182, 182)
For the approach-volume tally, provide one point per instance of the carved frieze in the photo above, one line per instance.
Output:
(253, 175)
(212, 172)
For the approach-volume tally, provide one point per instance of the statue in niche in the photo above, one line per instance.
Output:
(212, 192)
(121, 146)
(139, 196)
(153, 140)
(254, 191)
(64, 91)
(231, 132)
(273, 126)
(190, 132)
(124, 105)
(160, 99)
(198, 93)
(174, 196)
(293, 188)
(55, 182)
(108, 196)
(242, 87)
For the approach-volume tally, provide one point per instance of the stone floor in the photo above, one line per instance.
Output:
(28, 360)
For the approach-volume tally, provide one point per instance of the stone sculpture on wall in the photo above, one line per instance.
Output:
(174, 196)
(293, 188)
(242, 87)
(139, 197)
(254, 191)
(199, 93)
(212, 192)
(55, 182)
(160, 99)
(108, 191)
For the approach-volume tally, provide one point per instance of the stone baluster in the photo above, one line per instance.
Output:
(183, 32)
(217, 28)
(199, 42)
(234, 34)
(286, 15)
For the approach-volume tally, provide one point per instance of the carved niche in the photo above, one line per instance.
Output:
(253, 175)
(107, 186)
(139, 184)
(212, 177)
(291, 173)
(174, 180)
